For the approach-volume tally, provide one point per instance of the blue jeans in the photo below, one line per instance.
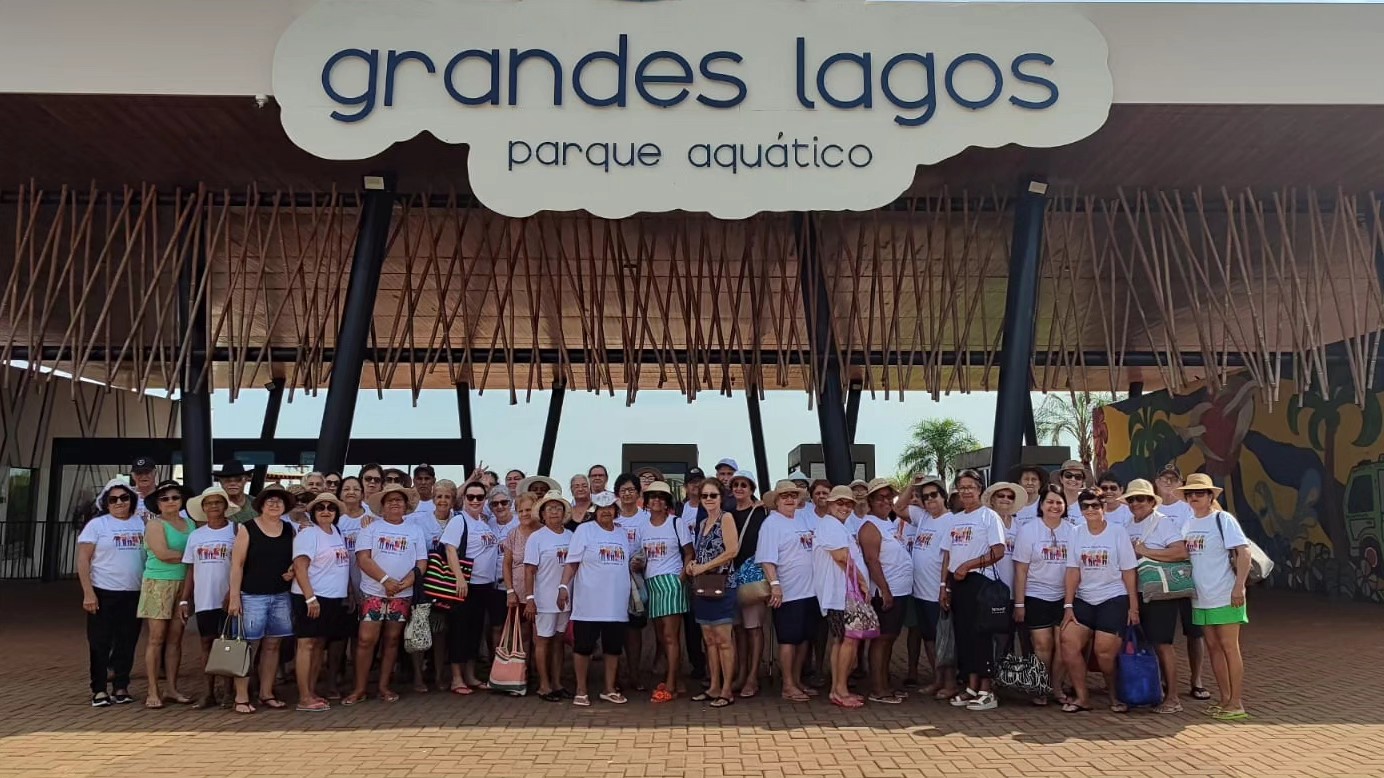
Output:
(267, 615)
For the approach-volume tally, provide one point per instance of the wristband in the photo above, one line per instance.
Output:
(386, 578)
(562, 586)
(1018, 605)
(311, 599)
(1066, 606)
(774, 583)
(529, 598)
(182, 602)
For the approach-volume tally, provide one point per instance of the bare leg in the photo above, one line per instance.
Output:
(1075, 637)
(725, 650)
(393, 631)
(1229, 637)
(1196, 661)
(881, 648)
(153, 654)
(790, 665)
(753, 661)
(303, 667)
(915, 651)
(1044, 647)
(582, 664)
(612, 669)
(336, 663)
(268, 668)
(545, 681)
(634, 653)
(366, 639)
(173, 660)
(1167, 660)
(209, 693)
(1107, 646)
(715, 673)
(556, 650)
(670, 633)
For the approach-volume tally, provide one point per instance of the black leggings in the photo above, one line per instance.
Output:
(466, 624)
(975, 653)
(112, 632)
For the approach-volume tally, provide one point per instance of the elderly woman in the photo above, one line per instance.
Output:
(890, 571)
(298, 516)
(110, 565)
(470, 537)
(581, 495)
(598, 477)
(836, 556)
(544, 557)
(513, 543)
(631, 516)
(1169, 487)
(667, 551)
(1040, 579)
(716, 544)
(752, 612)
(930, 523)
(1073, 477)
(1158, 538)
(205, 588)
(503, 521)
(372, 478)
(332, 482)
(1003, 497)
(261, 568)
(512, 480)
(321, 578)
(596, 584)
(784, 550)
(973, 545)
(392, 554)
(1102, 598)
(165, 540)
(432, 518)
(1032, 478)
(1220, 558)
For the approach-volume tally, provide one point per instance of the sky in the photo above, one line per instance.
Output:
(594, 426)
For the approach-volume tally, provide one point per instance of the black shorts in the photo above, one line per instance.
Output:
(333, 621)
(1189, 629)
(210, 623)
(926, 614)
(796, 622)
(494, 601)
(891, 621)
(1111, 616)
(1042, 614)
(639, 622)
(611, 634)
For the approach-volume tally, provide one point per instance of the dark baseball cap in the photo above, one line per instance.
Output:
(695, 474)
(142, 464)
(425, 468)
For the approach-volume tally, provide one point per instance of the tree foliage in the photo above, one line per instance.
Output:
(1074, 416)
(935, 444)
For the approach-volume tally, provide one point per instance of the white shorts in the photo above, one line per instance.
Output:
(547, 625)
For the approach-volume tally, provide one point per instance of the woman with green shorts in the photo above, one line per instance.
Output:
(1220, 568)
(667, 549)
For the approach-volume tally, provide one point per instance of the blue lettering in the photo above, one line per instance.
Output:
(928, 101)
(515, 145)
(642, 79)
(974, 105)
(722, 78)
(621, 60)
(1029, 78)
(366, 99)
(864, 99)
(397, 58)
(517, 58)
(492, 96)
(800, 63)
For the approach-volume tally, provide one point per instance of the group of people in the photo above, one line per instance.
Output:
(832, 574)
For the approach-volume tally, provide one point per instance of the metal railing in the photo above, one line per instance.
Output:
(24, 544)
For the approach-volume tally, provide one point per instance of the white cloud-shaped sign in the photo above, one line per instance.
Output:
(723, 106)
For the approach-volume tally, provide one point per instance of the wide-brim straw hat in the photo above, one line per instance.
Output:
(1200, 482)
(1072, 464)
(659, 487)
(1019, 494)
(841, 494)
(194, 505)
(935, 480)
(273, 490)
(553, 496)
(553, 486)
(770, 498)
(376, 500)
(877, 485)
(1140, 488)
(327, 497)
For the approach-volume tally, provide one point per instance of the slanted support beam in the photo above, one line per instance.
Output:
(761, 457)
(269, 428)
(468, 434)
(1030, 421)
(372, 238)
(831, 410)
(1020, 320)
(194, 394)
(545, 454)
(853, 408)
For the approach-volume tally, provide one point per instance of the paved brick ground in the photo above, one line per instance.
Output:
(1314, 688)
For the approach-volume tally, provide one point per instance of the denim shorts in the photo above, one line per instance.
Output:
(267, 615)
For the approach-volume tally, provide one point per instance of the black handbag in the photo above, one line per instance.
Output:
(994, 612)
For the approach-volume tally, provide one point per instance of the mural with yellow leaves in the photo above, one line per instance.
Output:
(1305, 476)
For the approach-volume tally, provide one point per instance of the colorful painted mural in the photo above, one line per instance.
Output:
(1305, 476)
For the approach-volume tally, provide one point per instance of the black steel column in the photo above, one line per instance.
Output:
(1136, 389)
(468, 436)
(761, 459)
(194, 390)
(1030, 421)
(831, 411)
(545, 454)
(1020, 319)
(853, 408)
(372, 237)
(272, 406)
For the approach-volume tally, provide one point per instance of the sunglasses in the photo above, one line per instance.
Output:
(475, 498)
(1074, 476)
(371, 479)
(114, 498)
(1090, 506)
(500, 504)
(1138, 498)
(1004, 496)
(1197, 492)
(170, 498)
(932, 495)
(711, 495)
(324, 507)
(740, 485)
(393, 479)
(1110, 487)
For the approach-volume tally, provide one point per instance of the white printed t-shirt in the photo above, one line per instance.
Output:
(787, 544)
(1102, 560)
(209, 552)
(547, 551)
(601, 587)
(117, 565)
(396, 548)
(971, 535)
(928, 532)
(329, 563)
(1211, 570)
(1045, 551)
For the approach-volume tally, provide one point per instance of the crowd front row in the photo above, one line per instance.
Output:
(838, 572)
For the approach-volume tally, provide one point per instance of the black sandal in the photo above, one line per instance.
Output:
(552, 696)
(722, 702)
(703, 697)
(1201, 693)
(273, 703)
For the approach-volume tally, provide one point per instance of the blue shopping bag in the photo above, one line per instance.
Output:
(1138, 678)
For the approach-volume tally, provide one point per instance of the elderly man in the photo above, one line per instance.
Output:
(232, 477)
(424, 477)
(144, 476)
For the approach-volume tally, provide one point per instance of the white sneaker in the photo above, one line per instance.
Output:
(983, 701)
(963, 699)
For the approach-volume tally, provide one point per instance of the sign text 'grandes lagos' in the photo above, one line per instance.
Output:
(723, 106)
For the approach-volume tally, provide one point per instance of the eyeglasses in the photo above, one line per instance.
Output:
(170, 498)
(1090, 506)
(932, 495)
(629, 490)
(114, 498)
(475, 498)
(1074, 476)
(711, 495)
(500, 504)
(371, 479)
(1197, 492)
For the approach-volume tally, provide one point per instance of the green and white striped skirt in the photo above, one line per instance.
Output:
(667, 596)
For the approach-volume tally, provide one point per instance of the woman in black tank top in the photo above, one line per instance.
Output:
(261, 571)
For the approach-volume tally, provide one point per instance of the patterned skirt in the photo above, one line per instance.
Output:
(667, 596)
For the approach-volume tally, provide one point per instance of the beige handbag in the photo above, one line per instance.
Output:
(230, 655)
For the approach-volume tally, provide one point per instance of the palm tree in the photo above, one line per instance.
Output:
(1073, 415)
(935, 446)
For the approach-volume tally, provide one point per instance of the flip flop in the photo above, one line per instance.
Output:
(1201, 693)
(886, 699)
(1072, 707)
(273, 703)
(353, 699)
(388, 697)
(703, 697)
(463, 690)
(796, 697)
(722, 702)
(749, 691)
(1119, 707)
(852, 704)
(313, 707)
(250, 708)
(581, 701)
(181, 699)
(1175, 707)
(153, 704)
(1225, 715)
(661, 695)
(616, 698)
